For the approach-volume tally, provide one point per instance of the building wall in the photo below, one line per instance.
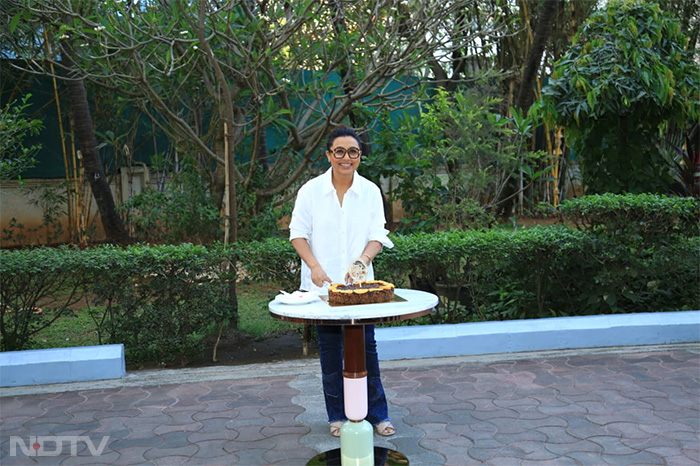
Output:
(24, 205)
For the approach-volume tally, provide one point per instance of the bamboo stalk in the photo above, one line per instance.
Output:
(555, 170)
(227, 204)
(66, 167)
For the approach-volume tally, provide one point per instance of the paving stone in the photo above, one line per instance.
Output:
(169, 454)
(487, 454)
(147, 442)
(560, 461)
(638, 458)
(581, 445)
(125, 413)
(77, 428)
(484, 414)
(533, 451)
(527, 436)
(106, 458)
(166, 429)
(170, 460)
(557, 435)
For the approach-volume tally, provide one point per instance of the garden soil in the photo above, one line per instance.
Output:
(235, 349)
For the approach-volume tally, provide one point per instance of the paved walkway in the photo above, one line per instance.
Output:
(633, 406)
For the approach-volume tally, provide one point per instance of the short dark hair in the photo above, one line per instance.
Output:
(340, 131)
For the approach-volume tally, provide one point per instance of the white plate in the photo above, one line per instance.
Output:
(298, 297)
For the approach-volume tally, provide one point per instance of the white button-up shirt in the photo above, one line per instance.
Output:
(337, 234)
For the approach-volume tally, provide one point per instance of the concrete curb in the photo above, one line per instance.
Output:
(560, 333)
(61, 365)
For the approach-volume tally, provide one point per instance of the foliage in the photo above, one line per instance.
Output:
(687, 13)
(258, 219)
(637, 219)
(625, 78)
(15, 158)
(271, 259)
(160, 301)
(182, 212)
(77, 328)
(221, 79)
(37, 287)
(163, 301)
(542, 272)
(275, 72)
(681, 149)
(454, 160)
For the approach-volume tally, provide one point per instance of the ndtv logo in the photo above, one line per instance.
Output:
(47, 445)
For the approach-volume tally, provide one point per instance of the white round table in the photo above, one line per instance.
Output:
(407, 304)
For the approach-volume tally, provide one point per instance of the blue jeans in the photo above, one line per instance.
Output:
(330, 345)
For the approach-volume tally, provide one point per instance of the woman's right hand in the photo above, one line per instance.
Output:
(319, 276)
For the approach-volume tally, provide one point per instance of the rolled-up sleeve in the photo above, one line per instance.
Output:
(301, 224)
(377, 230)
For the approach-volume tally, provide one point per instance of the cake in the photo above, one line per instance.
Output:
(367, 292)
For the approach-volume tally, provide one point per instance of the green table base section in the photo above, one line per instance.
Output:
(382, 457)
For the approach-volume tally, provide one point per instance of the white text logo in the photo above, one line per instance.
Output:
(46, 445)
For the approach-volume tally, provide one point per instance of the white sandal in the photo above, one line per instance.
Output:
(385, 429)
(335, 428)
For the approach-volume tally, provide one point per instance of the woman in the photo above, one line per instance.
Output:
(338, 217)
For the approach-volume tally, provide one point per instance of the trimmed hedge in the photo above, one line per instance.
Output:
(273, 260)
(160, 301)
(636, 218)
(36, 287)
(544, 272)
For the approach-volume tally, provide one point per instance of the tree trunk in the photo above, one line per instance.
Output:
(527, 86)
(543, 29)
(94, 172)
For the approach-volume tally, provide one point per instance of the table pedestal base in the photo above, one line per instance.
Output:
(413, 304)
(382, 457)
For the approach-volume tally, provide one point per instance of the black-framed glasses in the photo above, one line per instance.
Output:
(339, 152)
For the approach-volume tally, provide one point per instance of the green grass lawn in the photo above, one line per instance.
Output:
(254, 317)
(75, 329)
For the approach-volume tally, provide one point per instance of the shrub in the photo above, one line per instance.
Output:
(161, 301)
(273, 259)
(37, 286)
(183, 211)
(637, 218)
(544, 272)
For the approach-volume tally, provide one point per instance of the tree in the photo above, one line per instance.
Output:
(688, 14)
(625, 78)
(85, 133)
(20, 40)
(534, 56)
(221, 78)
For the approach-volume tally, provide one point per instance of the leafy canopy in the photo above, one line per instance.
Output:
(625, 78)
